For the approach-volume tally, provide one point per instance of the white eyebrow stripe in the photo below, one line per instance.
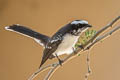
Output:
(80, 21)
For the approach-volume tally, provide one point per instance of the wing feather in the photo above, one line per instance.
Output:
(54, 43)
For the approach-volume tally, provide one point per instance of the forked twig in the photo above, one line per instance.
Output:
(102, 37)
(96, 38)
(88, 66)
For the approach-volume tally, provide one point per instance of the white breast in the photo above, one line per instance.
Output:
(67, 45)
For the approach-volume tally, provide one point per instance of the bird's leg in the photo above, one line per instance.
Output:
(60, 61)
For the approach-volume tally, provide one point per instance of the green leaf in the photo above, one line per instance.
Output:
(87, 33)
(94, 32)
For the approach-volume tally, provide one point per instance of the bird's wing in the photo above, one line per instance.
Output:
(50, 48)
(40, 38)
(54, 43)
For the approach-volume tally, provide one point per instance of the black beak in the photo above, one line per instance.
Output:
(88, 25)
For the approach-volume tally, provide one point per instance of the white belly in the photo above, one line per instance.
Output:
(67, 45)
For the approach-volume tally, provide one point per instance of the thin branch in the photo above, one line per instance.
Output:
(102, 37)
(86, 47)
(106, 27)
(39, 70)
(102, 30)
(50, 72)
(57, 64)
(88, 66)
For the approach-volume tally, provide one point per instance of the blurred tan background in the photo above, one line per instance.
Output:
(20, 56)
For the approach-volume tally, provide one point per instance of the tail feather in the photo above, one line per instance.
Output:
(42, 39)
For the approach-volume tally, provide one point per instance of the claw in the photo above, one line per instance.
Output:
(60, 62)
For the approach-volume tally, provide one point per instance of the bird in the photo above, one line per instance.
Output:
(61, 42)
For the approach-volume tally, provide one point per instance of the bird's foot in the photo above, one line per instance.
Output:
(60, 62)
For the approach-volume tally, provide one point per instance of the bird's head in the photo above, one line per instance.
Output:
(79, 26)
